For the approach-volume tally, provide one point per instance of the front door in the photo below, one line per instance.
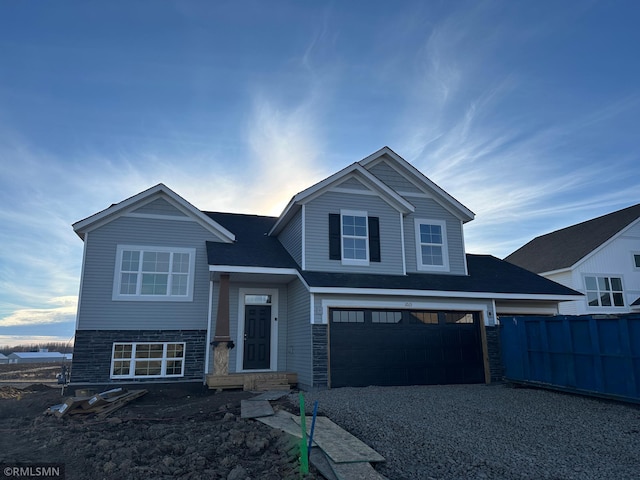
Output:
(257, 337)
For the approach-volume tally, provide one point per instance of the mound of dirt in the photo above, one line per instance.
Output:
(165, 434)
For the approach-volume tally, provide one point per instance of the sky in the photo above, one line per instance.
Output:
(527, 112)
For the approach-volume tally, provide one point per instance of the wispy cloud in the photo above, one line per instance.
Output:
(62, 309)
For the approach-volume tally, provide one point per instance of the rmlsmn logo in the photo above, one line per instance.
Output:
(53, 471)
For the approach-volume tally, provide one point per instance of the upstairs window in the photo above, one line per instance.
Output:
(604, 291)
(154, 273)
(636, 261)
(431, 245)
(354, 237)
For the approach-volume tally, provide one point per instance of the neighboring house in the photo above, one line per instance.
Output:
(363, 279)
(3, 359)
(599, 257)
(36, 357)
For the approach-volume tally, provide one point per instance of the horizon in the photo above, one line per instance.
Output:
(526, 113)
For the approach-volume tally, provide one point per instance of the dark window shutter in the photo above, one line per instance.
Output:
(334, 237)
(374, 239)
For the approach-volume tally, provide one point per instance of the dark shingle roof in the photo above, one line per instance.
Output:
(253, 248)
(487, 274)
(563, 248)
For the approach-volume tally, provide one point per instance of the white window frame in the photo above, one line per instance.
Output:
(132, 360)
(611, 292)
(633, 260)
(354, 261)
(168, 297)
(445, 249)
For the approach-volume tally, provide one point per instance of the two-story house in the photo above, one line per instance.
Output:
(362, 280)
(599, 257)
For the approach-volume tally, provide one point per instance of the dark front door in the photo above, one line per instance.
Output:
(257, 337)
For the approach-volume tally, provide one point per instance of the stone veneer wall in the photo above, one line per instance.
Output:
(320, 356)
(495, 355)
(93, 348)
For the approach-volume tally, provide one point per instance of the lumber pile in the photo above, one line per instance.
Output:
(101, 404)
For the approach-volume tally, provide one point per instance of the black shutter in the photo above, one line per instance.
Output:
(374, 239)
(334, 237)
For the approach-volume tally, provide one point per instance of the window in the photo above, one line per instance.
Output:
(348, 316)
(636, 261)
(382, 316)
(154, 273)
(355, 238)
(132, 360)
(431, 245)
(604, 291)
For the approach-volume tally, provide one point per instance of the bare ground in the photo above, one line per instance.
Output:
(168, 433)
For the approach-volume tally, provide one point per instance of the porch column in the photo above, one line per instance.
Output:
(221, 340)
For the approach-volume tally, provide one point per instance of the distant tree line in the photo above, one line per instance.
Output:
(60, 347)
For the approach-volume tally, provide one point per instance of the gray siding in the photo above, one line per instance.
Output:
(428, 208)
(353, 183)
(392, 178)
(317, 233)
(97, 310)
(160, 207)
(299, 341)
(291, 237)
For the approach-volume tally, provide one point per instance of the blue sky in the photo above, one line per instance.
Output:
(526, 112)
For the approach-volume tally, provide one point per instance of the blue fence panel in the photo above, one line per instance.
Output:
(598, 356)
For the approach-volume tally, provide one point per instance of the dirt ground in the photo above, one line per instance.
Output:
(168, 433)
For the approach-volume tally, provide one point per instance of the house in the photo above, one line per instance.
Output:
(36, 357)
(3, 359)
(362, 280)
(599, 257)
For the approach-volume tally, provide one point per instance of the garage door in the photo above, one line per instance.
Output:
(404, 347)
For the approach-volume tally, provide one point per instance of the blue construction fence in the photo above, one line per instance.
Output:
(591, 354)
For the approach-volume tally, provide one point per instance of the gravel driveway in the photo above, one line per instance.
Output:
(493, 432)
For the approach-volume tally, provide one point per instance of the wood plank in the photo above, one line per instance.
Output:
(255, 408)
(284, 421)
(319, 460)
(270, 395)
(339, 445)
(355, 471)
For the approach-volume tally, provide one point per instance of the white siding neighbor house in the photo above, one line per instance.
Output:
(599, 258)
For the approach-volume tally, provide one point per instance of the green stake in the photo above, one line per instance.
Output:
(304, 453)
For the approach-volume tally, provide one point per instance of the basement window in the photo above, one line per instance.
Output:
(147, 360)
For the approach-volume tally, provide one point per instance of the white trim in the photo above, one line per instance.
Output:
(138, 297)
(207, 346)
(143, 198)
(273, 353)
(442, 293)
(312, 305)
(445, 247)
(242, 269)
(399, 305)
(633, 260)
(600, 308)
(464, 250)
(554, 272)
(495, 312)
(304, 237)
(402, 245)
(84, 261)
(354, 191)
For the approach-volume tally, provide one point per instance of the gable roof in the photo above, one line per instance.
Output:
(361, 170)
(416, 177)
(564, 248)
(354, 170)
(158, 191)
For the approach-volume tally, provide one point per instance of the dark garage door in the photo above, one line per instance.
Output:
(404, 347)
